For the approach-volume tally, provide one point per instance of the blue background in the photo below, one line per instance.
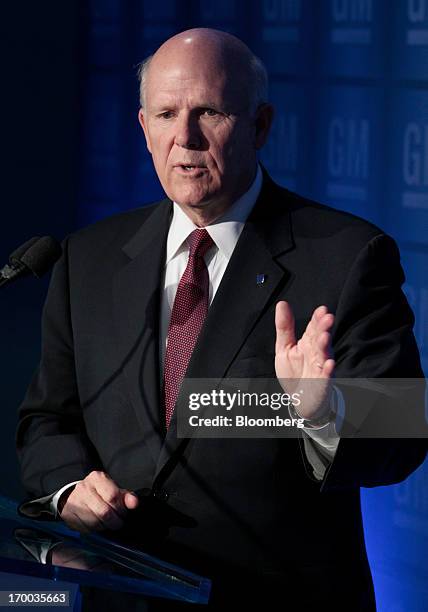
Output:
(349, 79)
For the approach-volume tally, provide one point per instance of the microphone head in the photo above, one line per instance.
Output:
(38, 255)
(15, 257)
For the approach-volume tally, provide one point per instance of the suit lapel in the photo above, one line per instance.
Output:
(136, 291)
(240, 300)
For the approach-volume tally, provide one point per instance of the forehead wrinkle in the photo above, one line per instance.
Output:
(186, 76)
(195, 90)
(190, 96)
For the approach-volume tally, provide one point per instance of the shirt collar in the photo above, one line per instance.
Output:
(225, 231)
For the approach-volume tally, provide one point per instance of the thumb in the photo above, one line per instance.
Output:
(284, 323)
(130, 500)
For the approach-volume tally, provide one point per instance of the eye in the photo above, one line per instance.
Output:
(166, 115)
(210, 112)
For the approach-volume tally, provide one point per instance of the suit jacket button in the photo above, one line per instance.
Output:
(161, 495)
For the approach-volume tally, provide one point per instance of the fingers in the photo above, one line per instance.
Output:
(97, 503)
(320, 325)
(79, 516)
(322, 345)
(321, 320)
(315, 343)
(284, 323)
(328, 368)
(130, 500)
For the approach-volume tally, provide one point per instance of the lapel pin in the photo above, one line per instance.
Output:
(260, 279)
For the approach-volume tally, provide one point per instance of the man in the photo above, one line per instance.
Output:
(265, 518)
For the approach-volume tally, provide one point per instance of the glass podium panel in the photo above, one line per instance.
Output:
(48, 549)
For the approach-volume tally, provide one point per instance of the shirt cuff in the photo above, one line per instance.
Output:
(53, 506)
(45, 507)
(321, 444)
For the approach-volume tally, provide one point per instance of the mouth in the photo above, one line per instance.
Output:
(190, 169)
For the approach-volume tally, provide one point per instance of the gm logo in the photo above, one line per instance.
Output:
(352, 21)
(417, 16)
(282, 19)
(348, 158)
(415, 165)
(280, 152)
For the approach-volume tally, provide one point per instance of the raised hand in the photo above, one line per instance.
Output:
(305, 365)
(96, 503)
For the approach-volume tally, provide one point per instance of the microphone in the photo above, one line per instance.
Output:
(36, 256)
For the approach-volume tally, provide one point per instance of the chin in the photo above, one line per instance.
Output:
(193, 200)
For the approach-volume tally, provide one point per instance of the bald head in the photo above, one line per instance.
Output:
(210, 51)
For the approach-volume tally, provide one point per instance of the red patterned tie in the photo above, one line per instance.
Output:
(188, 314)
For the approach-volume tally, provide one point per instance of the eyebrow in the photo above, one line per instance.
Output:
(172, 104)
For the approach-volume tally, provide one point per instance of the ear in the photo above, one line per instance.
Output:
(263, 122)
(143, 123)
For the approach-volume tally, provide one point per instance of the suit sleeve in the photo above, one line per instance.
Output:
(373, 338)
(52, 444)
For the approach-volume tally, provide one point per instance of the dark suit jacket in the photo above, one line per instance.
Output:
(222, 505)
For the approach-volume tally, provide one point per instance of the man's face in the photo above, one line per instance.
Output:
(199, 130)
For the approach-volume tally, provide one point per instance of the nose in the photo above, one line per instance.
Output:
(188, 134)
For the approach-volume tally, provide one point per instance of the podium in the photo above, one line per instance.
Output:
(48, 549)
